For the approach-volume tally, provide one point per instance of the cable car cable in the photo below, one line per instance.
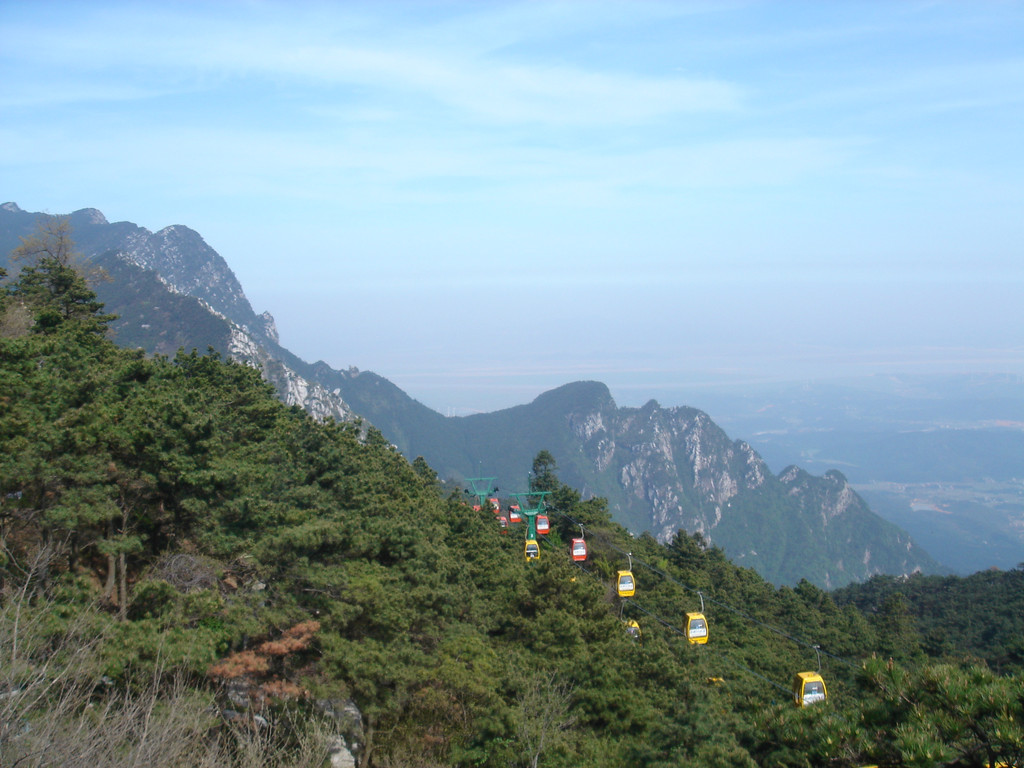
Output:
(776, 630)
(716, 651)
(668, 625)
(742, 614)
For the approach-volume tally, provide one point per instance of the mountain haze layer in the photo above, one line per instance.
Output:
(662, 469)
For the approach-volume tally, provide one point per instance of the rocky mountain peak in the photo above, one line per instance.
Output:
(270, 327)
(583, 394)
(91, 215)
(178, 261)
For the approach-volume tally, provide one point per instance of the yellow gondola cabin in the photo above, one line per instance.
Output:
(530, 550)
(626, 584)
(633, 630)
(808, 688)
(696, 628)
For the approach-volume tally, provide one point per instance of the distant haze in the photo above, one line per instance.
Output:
(672, 343)
(481, 201)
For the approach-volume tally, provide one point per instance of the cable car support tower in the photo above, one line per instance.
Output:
(531, 505)
(482, 488)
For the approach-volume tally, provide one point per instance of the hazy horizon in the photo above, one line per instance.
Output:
(481, 202)
(493, 389)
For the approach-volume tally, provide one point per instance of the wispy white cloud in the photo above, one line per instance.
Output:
(155, 52)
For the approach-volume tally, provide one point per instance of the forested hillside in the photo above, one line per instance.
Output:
(661, 469)
(981, 614)
(195, 574)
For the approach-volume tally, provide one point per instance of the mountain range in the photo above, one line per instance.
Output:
(661, 468)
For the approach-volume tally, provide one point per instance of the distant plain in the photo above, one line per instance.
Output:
(942, 456)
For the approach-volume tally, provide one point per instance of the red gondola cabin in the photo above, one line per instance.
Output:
(579, 550)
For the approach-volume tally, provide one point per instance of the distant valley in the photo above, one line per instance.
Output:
(940, 456)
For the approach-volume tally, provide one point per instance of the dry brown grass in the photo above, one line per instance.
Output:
(56, 708)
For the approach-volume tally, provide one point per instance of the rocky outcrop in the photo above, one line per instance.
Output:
(187, 265)
(292, 388)
(349, 739)
(676, 461)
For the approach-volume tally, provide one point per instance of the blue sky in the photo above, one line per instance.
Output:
(481, 201)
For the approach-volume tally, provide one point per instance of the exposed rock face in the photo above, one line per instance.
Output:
(186, 265)
(94, 216)
(292, 388)
(270, 327)
(684, 469)
(346, 745)
(676, 461)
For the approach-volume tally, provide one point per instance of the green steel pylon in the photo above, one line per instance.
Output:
(531, 512)
(483, 487)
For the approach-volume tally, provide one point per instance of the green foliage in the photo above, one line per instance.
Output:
(178, 523)
(542, 473)
(952, 617)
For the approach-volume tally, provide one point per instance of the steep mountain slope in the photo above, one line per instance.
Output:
(661, 469)
(172, 290)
